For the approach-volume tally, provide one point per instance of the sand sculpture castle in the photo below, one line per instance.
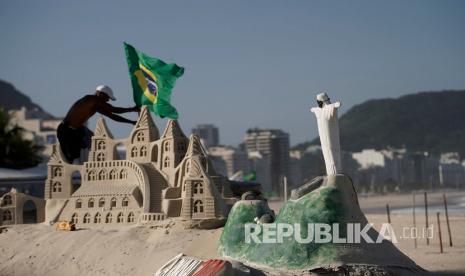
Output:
(19, 208)
(161, 177)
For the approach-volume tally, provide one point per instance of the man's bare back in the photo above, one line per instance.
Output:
(72, 133)
(88, 105)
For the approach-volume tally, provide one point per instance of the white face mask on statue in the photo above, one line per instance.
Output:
(322, 99)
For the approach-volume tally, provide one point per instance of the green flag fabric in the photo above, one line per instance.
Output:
(152, 81)
(250, 177)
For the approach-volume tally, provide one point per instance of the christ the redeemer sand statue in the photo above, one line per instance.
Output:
(328, 129)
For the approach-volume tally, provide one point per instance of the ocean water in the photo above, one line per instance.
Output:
(456, 207)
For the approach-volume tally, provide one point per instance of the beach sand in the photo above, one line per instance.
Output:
(127, 250)
(140, 250)
(452, 261)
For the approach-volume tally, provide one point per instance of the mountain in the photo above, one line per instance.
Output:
(426, 121)
(11, 98)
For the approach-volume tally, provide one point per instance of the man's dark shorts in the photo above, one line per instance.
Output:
(72, 140)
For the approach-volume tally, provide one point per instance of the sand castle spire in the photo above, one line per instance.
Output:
(195, 146)
(145, 122)
(195, 150)
(101, 129)
(173, 130)
(56, 156)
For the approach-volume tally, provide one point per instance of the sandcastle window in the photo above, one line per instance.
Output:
(109, 218)
(101, 145)
(120, 218)
(7, 200)
(134, 152)
(101, 156)
(90, 204)
(78, 204)
(57, 172)
(143, 151)
(91, 175)
(155, 153)
(123, 174)
(125, 202)
(198, 206)
(181, 146)
(167, 162)
(204, 162)
(131, 217)
(101, 175)
(198, 188)
(86, 218)
(167, 146)
(56, 187)
(113, 174)
(74, 218)
(101, 202)
(113, 202)
(140, 137)
(188, 165)
(97, 218)
(7, 215)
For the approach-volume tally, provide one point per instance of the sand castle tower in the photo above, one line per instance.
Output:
(173, 145)
(160, 177)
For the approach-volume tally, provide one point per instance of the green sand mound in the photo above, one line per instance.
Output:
(334, 201)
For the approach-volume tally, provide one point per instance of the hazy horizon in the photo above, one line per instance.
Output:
(248, 65)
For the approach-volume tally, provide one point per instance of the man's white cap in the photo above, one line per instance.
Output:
(322, 97)
(107, 90)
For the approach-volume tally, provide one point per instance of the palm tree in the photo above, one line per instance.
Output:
(15, 151)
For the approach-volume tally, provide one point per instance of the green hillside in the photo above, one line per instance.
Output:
(426, 121)
(12, 98)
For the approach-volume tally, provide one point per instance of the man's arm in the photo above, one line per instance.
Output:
(106, 110)
(114, 109)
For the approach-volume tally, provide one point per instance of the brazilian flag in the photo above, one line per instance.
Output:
(152, 81)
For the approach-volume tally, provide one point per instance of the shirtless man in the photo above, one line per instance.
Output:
(72, 133)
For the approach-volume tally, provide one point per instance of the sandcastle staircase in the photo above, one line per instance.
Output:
(157, 184)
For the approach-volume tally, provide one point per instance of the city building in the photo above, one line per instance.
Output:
(396, 169)
(451, 171)
(273, 145)
(208, 133)
(305, 164)
(161, 176)
(261, 164)
(38, 126)
(234, 159)
(379, 170)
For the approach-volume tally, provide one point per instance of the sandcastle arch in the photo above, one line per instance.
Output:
(154, 153)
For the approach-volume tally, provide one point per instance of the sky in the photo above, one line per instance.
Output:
(247, 63)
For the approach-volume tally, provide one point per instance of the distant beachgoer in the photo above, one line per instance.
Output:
(72, 132)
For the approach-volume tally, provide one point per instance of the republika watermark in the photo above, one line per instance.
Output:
(328, 233)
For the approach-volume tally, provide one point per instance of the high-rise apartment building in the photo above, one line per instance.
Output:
(272, 144)
(234, 159)
(208, 133)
